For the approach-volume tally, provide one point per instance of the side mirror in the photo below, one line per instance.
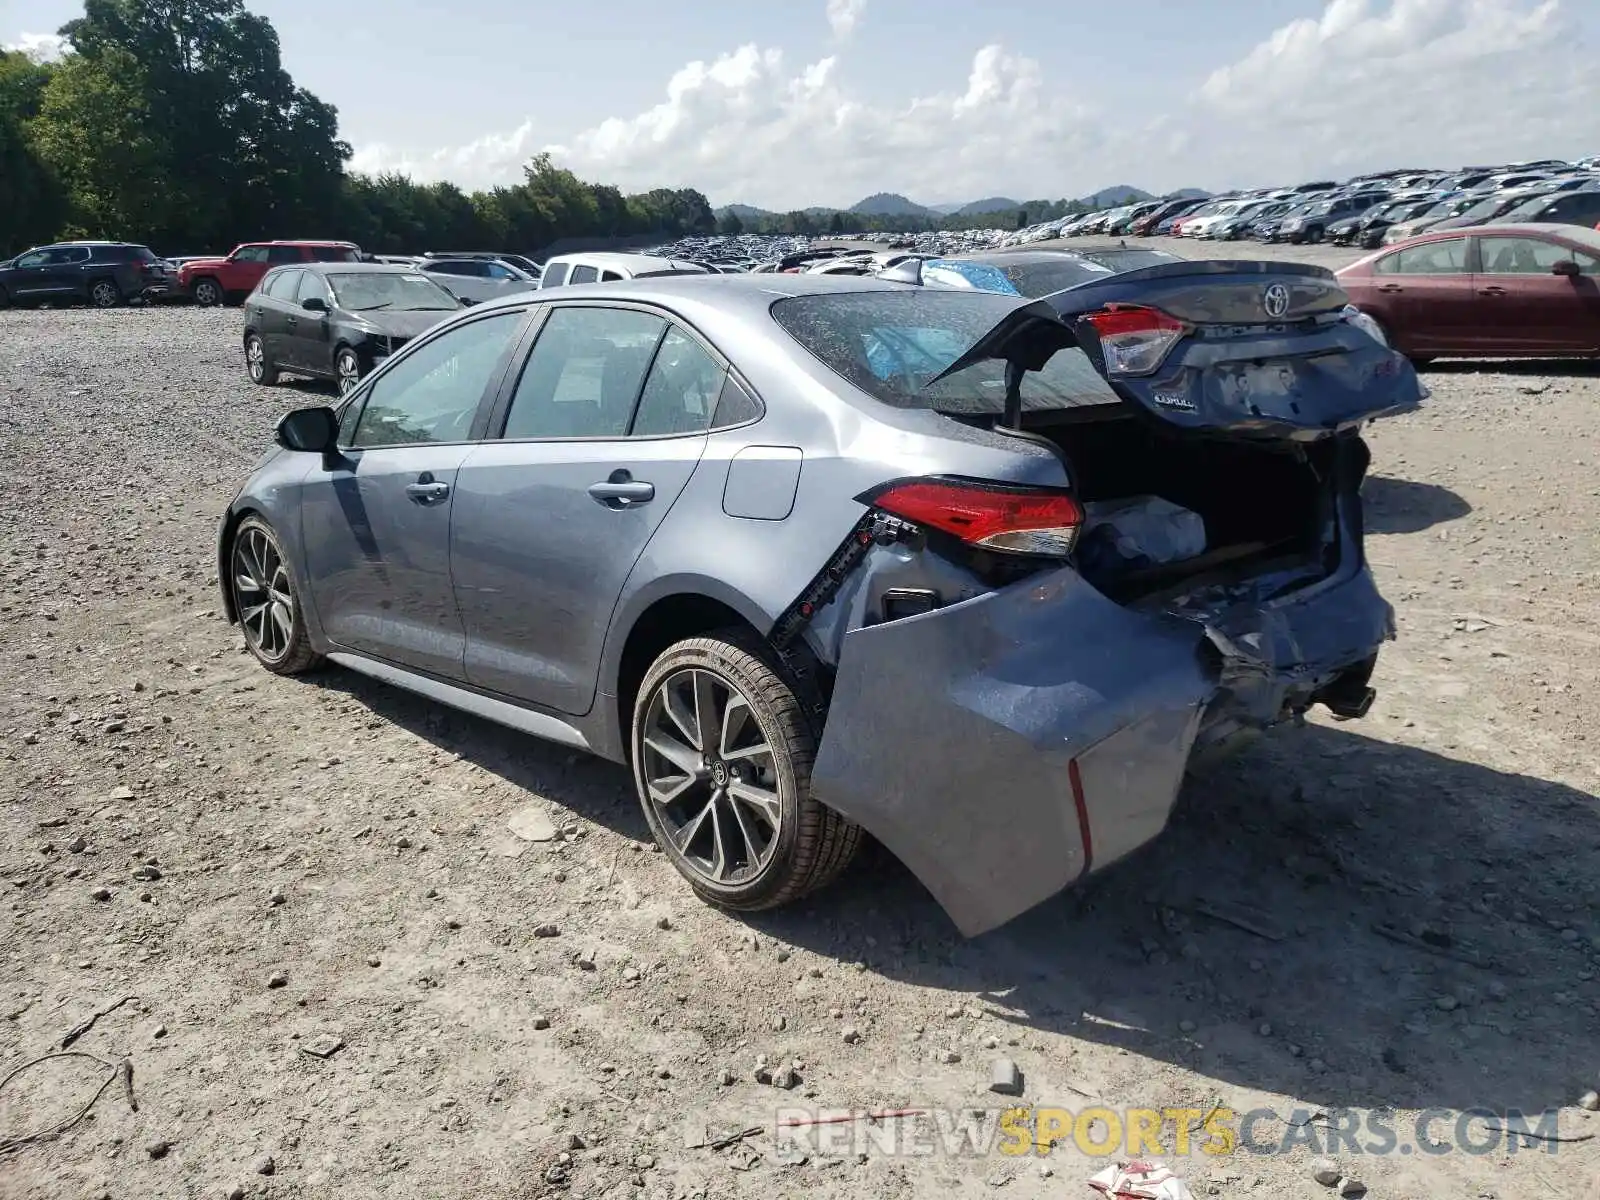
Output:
(310, 431)
(466, 301)
(314, 304)
(1565, 267)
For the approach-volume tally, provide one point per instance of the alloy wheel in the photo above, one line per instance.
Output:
(207, 294)
(711, 776)
(104, 294)
(255, 357)
(349, 369)
(263, 594)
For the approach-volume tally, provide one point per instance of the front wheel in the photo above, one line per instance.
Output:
(261, 369)
(208, 293)
(268, 600)
(346, 370)
(722, 755)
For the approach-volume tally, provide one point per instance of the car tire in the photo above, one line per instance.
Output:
(268, 601)
(104, 293)
(347, 372)
(208, 293)
(261, 371)
(687, 786)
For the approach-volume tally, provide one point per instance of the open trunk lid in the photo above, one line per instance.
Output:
(1245, 348)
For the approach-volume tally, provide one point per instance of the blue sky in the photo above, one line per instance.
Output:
(801, 102)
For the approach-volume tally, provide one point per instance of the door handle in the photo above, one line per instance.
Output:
(1390, 287)
(427, 490)
(291, 322)
(1492, 291)
(621, 490)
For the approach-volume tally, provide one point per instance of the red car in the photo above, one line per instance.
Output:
(1492, 290)
(229, 280)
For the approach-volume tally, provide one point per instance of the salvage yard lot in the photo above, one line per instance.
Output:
(1424, 885)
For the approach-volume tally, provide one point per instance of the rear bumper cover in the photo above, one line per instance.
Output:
(1005, 746)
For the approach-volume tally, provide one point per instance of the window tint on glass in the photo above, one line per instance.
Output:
(281, 285)
(1520, 255)
(34, 258)
(584, 374)
(70, 254)
(609, 276)
(583, 274)
(1448, 257)
(496, 270)
(735, 406)
(681, 391)
(284, 254)
(250, 254)
(555, 275)
(312, 284)
(892, 345)
(334, 254)
(432, 394)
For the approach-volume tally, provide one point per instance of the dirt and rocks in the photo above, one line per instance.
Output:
(351, 977)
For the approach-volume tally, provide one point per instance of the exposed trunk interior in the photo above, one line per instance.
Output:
(1260, 502)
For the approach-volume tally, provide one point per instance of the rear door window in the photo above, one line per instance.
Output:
(609, 276)
(284, 254)
(584, 274)
(584, 375)
(281, 285)
(681, 392)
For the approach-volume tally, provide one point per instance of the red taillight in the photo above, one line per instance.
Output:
(1135, 339)
(1016, 520)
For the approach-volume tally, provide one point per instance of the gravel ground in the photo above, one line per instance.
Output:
(272, 867)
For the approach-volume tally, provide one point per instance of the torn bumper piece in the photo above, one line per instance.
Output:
(1003, 747)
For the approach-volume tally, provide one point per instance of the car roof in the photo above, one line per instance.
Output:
(621, 261)
(745, 294)
(297, 242)
(345, 268)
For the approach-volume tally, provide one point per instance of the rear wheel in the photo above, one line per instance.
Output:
(208, 293)
(261, 370)
(267, 599)
(104, 293)
(722, 755)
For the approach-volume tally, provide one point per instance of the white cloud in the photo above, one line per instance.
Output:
(41, 47)
(843, 15)
(1369, 84)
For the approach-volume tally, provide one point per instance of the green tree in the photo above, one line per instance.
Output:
(94, 131)
(730, 225)
(32, 207)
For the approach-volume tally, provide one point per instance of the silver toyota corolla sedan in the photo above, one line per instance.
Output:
(975, 574)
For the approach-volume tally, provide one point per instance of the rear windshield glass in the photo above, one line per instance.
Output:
(890, 344)
(1042, 278)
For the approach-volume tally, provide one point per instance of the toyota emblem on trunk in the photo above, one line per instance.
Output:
(1275, 300)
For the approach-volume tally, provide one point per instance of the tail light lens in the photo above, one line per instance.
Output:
(990, 516)
(1135, 340)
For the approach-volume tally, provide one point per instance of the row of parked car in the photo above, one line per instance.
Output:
(1367, 211)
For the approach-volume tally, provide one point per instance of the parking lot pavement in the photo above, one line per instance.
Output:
(1391, 916)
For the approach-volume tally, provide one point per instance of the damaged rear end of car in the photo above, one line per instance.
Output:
(1022, 673)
